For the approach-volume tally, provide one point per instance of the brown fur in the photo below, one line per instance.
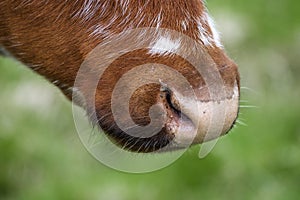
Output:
(48, 37)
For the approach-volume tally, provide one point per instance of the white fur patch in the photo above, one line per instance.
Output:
(216, 35)
(207, 32)
(88, 10)
(124, 4)
(165, 45)
(184, 24)
(158, 20)
(208, 37)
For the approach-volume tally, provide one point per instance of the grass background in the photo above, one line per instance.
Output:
(41, 156)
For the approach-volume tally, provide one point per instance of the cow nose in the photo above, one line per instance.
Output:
(202, 121)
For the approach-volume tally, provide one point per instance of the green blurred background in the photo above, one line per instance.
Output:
(41, 156)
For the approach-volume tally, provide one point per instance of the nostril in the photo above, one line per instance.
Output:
(172, 101)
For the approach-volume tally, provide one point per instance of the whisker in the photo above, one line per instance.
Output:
(153, 147)
(148, 145)
(241, 123)
(102, 117)
(131, 127)
(140, 148)
(248, 106)
(124, 147)
(249, 89)
(137, 141)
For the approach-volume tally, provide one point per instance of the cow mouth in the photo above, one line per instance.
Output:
(181, 125)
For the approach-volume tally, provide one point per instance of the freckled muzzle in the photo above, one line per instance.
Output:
(147, 102)
(176, 123)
